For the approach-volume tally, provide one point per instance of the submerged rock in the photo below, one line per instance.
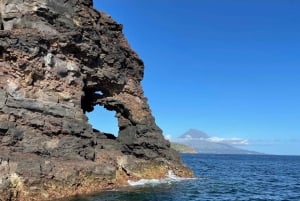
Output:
(58, 59)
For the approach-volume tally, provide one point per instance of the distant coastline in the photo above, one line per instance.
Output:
(202, 143)
(183, 148)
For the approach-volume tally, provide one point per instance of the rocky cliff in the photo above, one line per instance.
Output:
(58, 59)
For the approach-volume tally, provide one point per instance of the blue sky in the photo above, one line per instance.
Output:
(230, 68)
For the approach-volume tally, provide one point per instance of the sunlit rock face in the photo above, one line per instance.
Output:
(58, 59)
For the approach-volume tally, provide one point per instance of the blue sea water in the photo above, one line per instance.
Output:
(221, 177)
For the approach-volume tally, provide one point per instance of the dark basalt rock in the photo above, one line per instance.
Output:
(55, 58)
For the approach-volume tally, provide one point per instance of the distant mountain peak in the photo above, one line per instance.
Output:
(194, 134)
(203, 143)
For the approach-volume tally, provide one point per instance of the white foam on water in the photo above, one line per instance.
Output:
(143, 182)
(171, 177)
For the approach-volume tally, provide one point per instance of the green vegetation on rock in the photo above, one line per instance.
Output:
(183, 148)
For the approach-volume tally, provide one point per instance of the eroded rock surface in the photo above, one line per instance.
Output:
(58, 59)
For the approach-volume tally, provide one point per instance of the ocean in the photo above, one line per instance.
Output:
(219, 178)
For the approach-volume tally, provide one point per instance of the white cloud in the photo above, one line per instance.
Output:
(188, 137)
(230, 141)
(271, 142)
(168, 137)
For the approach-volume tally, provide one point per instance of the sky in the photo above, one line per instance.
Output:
(229, 68)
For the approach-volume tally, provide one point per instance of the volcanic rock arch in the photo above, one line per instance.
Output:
(55, 56)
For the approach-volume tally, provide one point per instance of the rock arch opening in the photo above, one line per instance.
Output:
(101, 118)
